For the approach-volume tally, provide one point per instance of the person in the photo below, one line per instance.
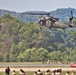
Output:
(39, 72)
(67, 73)
(22, 72)
(72, 73)
(13, 73)
(47, 72)
(7, 71)
(35, 73)
(54, 72)
(58, 72)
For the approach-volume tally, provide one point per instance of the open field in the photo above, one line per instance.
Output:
(34, 66)
(30, 71)
(42, 69)
(31, 64)
(30, 67)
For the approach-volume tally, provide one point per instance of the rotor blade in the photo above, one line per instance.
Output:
(37, 13)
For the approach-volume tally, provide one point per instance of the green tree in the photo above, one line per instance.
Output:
(13, 53)
(42, 54)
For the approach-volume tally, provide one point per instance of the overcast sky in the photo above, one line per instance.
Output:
(36, 5)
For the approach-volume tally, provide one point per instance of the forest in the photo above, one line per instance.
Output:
(26, 42)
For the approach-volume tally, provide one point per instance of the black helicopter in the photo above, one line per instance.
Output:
(52, 22)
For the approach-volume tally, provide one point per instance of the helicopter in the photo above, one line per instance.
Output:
(52, 22)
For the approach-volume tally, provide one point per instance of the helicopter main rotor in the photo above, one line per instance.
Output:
(38, 13)
(52, 21)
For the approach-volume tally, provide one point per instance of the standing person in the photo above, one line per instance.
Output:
(7, 71)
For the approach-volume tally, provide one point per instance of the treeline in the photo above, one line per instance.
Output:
(21, 42)
(62, 14)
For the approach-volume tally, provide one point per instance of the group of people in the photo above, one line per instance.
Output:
(72, 73)
(7, 72)
(55, 72)
(38, 72)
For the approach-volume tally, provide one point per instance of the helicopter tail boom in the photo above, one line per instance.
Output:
(61, 25)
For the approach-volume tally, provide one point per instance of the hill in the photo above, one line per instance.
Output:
(63, 14)
(24, 41)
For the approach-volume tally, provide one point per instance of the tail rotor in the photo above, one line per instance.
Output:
(71, 19)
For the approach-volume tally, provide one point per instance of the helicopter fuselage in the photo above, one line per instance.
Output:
(53, 23)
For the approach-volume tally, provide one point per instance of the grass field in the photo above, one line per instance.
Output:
(32, 73)
(30, 64)
(17, 73)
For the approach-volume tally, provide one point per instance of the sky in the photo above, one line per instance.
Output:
(36, 5)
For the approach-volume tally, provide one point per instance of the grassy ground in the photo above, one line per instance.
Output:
(29, 65)
(20, 62)
(32, 73)
(17, 65)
